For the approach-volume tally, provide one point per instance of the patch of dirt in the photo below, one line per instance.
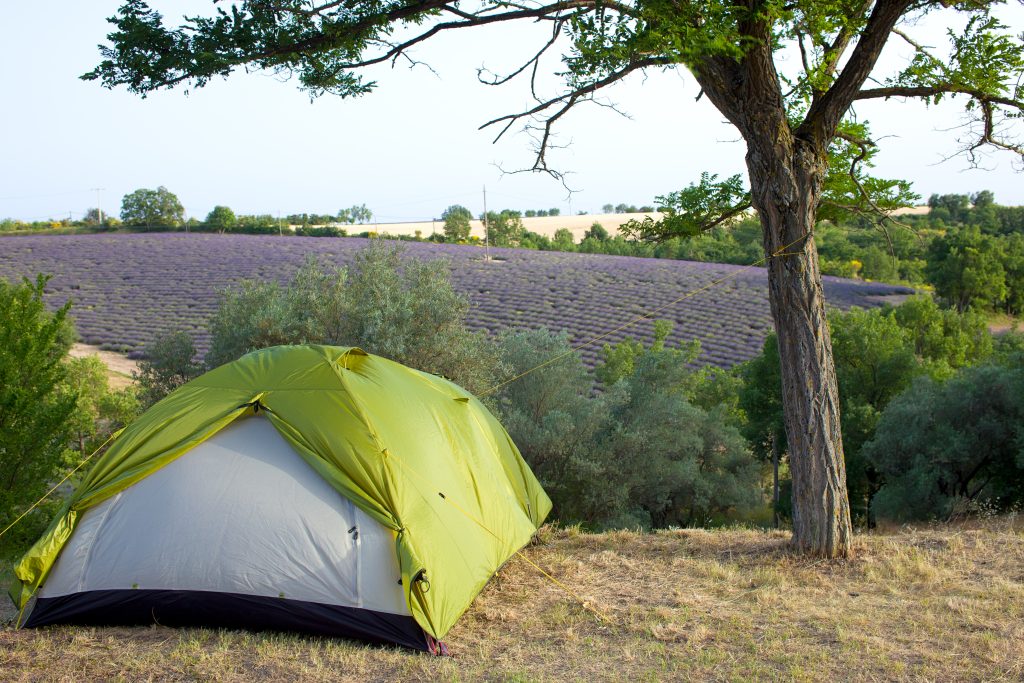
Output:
(1004, 324)
(120, 366)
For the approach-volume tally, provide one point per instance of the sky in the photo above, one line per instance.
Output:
(257, 144)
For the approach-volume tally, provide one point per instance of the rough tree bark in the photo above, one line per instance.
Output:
(786, 173)
(785, 193)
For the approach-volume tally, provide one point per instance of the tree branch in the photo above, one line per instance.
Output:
(474, 20)
(835, 51)
(555, 33)
(824, 115)
(931, 91)
(567, 101)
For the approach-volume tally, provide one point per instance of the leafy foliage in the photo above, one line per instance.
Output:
(157, 208)
(966, 268)
(403, 309)
(694, 210)
(505, 228)
(879, 354)
(639, 453)
(944, 446)
(169, 362)
(34, 410)
(221, 219)
(99, 410)
(456, 223)
(558, 425)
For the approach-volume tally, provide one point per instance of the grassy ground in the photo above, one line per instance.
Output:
(935, 604)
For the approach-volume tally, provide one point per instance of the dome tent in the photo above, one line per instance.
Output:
(310, 487)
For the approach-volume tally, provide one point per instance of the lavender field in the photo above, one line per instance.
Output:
(127, 289)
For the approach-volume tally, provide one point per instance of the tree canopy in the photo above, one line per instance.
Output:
(221, 219)
(456, 222)
(157, 208)
(731, 49)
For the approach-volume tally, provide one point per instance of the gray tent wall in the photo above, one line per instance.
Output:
(238, 532)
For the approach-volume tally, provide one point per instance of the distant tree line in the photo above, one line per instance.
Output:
(969, 249)
(626, 208)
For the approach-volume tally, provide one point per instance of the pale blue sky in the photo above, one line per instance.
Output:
(407, 151)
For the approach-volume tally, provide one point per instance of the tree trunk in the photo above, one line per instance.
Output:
(786, 175)
(775, 483)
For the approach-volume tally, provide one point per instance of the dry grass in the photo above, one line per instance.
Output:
(928, 604)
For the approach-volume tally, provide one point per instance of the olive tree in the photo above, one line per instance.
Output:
(389, 304)
(785, 74)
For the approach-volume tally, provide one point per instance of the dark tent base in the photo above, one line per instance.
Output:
(226, 610)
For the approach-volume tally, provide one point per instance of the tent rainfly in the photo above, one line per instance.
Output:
(314, 488)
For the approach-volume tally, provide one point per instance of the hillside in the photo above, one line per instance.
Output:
(127, 289)
(936, 604)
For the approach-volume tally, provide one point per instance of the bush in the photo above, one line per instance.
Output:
(99, 410)
(34, 412)
(942, 446)
(403, 309)
(320, 231)
(168, 362)
(637, 454)
(559, 426)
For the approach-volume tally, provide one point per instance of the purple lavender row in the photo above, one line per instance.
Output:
(128, 289)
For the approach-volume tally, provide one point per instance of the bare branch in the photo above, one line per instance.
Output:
(574, 96)
(556, 31)
(473, 20)
(561, 105)
(880, 216)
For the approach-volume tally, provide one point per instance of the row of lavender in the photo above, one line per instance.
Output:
(128, 289)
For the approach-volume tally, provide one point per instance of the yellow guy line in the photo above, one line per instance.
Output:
(781, 251)
(58, 484)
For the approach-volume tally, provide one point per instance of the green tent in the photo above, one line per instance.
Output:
(311, 487)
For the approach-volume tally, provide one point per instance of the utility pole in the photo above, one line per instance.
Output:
(487, 230)
(99, 210)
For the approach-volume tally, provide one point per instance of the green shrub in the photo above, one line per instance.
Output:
(168, 362)
(943, 447)
(636, 454)
(34, 412)
(400, 308)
